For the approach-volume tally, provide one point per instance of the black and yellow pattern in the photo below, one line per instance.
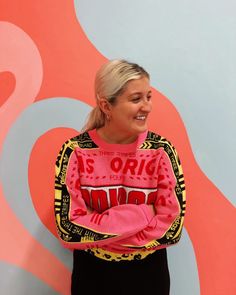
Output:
(67, 230)
(173, 234)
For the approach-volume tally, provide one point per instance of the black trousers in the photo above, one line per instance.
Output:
(92, 275)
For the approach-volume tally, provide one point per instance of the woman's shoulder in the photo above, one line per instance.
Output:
(80, 137)
(153, 137)
(81, 140)
(155, 141)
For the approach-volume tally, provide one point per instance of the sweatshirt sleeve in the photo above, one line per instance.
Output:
(165, 227)
(78, 227)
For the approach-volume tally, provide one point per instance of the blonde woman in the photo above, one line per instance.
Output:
(120, 195)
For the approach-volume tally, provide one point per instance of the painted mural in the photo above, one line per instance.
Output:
(47, 68)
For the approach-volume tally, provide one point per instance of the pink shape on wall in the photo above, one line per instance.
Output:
(19, 56)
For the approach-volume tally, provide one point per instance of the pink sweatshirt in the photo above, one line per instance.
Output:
(103, 194)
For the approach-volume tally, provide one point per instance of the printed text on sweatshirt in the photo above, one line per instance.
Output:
(103, 194)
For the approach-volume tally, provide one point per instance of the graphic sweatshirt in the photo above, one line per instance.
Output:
(119, 201)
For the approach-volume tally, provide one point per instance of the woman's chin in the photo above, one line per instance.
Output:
(140, 129)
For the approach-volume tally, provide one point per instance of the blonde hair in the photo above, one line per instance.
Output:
(110, 82)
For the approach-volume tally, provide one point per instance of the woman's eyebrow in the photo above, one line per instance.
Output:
(139, 92)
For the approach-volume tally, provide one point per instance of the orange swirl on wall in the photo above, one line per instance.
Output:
(7, 85)
(45, 152)
(18, 247)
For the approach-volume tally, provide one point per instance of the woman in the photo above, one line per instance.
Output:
(120, 195)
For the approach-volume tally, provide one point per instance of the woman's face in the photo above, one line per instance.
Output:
(128, 116)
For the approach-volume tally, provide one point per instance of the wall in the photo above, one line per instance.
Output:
(49, 53)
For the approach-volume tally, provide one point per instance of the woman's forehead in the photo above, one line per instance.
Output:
(137, 85)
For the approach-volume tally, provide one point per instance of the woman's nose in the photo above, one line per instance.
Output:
(147, 105)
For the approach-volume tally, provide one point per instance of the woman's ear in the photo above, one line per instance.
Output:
(104, 105)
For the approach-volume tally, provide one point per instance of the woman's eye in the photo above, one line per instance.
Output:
(135, 99)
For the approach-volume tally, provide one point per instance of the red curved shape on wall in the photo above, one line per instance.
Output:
(19, 248)
(7, 85)
(42, 160)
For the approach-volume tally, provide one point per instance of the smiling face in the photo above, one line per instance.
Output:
(128, 115)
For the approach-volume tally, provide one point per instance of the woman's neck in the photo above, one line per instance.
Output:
(111, 136)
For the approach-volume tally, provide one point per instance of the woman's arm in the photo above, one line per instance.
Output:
(165, 227)
(78, 227)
